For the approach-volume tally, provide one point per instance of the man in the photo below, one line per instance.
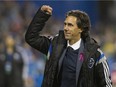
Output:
(11, 64)
(75, 59)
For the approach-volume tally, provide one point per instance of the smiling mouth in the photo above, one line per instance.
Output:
(67, 33)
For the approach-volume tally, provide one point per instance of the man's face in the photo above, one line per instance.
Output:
(71, 30)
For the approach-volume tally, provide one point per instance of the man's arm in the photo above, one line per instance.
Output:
(32, 36)
(102, 71)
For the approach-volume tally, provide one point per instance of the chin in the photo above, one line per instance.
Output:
(67, 38)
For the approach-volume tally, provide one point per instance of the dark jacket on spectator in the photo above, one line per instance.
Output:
(11, 69)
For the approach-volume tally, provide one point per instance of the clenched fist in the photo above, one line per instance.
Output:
(47, 9)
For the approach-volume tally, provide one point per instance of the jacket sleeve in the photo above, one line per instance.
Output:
(102, 71)
(32, 35)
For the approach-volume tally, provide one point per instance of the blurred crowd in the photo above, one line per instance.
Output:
(17, 57)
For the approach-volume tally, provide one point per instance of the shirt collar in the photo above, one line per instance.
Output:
(76, 45)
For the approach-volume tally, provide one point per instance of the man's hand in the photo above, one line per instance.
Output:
(47, 9)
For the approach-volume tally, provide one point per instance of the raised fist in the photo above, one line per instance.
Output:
(47, 9)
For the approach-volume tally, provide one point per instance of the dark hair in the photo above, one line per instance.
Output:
(83, 22)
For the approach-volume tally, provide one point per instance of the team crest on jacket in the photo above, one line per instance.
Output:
(91, 63)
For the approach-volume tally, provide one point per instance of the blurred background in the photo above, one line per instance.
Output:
(19, 61)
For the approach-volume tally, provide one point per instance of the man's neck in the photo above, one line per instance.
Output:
(76, 45)
(71, 42)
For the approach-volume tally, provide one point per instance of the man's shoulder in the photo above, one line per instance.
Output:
(59, 38)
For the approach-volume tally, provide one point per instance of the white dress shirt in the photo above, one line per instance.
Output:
(76, 45)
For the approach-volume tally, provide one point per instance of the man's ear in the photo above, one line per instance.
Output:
(80, 30)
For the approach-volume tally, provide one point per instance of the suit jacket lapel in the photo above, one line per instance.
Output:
(61, 60)
(80, 60)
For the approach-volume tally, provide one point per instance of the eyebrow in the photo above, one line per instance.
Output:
(68, 23)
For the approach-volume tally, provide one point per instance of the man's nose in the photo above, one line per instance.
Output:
(65, 27)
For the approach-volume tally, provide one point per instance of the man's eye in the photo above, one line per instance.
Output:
(64, 23)
(70, 25)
